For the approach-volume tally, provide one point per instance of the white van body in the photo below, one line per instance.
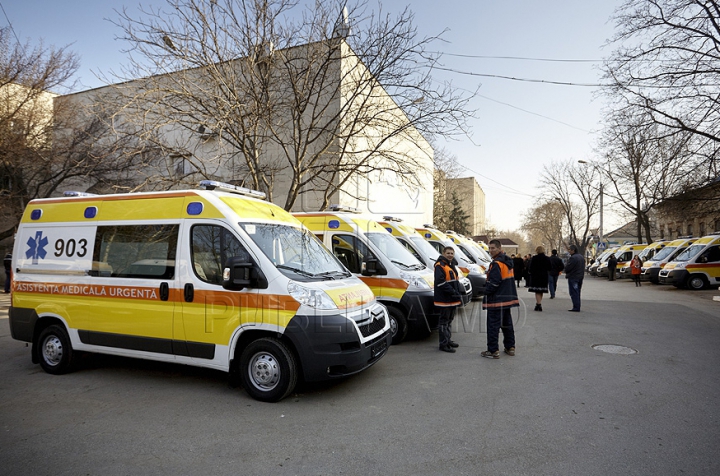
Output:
(395, 276)
(212, 278)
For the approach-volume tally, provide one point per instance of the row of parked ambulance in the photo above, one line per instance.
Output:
(687, 262)
(220, 278)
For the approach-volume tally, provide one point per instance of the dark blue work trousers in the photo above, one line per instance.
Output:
(499, 319)
(574, 288)
(447, 314)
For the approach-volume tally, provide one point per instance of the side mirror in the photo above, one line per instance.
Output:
(373, 267)
(239, 274)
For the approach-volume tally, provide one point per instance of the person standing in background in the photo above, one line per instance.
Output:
(636, 269)
(7, 262)
(539, 275)
(519, 268)
(574, 273)
(612, 266)
(556, 267)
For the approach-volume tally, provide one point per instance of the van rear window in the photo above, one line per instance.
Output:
(135, 251)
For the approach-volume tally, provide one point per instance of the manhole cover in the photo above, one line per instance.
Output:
(615, 349)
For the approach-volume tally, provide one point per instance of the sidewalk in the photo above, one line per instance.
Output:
(4, 300)
(624, 290)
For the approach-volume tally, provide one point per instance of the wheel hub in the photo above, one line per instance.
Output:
(264, 371)
(52, 350)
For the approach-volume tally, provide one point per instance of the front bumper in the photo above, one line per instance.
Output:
(331, 346)
(421, 313)
(677, 277)
(651, 274)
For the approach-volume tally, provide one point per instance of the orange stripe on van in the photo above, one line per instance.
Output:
(385, 282)
(263, 301)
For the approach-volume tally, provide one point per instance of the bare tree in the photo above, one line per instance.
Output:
(667, 64)
(544, 224)
(34, 160)
(285, 102)
(643, 164)
(575, 188)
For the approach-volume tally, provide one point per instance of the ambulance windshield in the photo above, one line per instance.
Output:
(394, 250)
(297, 253)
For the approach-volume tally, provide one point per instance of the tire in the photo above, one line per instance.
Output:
(696, 282)
(54, 350)
(268, 370)
(398, 325)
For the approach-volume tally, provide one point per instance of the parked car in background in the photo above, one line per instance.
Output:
(645, 255)
(624, 255)
(697, 267)
(593, 269)
(651, 269)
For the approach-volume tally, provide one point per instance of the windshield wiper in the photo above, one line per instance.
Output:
(295, 270)
(331, 274)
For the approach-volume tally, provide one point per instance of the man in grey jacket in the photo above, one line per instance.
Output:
(574, 273)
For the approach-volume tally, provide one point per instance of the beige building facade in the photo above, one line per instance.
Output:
(193, 144)
(472, 198)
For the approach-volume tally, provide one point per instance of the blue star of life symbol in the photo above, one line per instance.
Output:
(36, 247)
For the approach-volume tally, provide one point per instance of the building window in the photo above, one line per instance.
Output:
(678, 232)
(690, 230)
(702, 228)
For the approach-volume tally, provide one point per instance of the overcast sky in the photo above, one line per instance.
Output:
(521, 125)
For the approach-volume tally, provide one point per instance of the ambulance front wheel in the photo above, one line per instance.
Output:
(54, 350)
(398, 325)
(268, 370)
(697, 282)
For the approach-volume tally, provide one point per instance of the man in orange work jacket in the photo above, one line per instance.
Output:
(447, 296)
(500, 297)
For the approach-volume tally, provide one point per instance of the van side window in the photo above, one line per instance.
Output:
(711, 255)
(350, 251)
(135, 251)
(211, 246)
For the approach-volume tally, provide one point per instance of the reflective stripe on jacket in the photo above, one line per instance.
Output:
(500, 290)
(447, 287)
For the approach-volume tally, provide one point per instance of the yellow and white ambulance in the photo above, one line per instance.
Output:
(426, 253)
(623, 255)
(645, 255)
(214, 277)
(472, 249)
(476, 273)
(697, 267)
(395, 276)
(651, 269)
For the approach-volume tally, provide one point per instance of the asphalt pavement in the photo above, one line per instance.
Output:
(646, 404)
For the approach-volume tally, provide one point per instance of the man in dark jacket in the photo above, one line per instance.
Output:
(500, 297)
(612, 266)
(556, 267)
(574, 273)
(447, 296)
(519, 268)
(7, 263)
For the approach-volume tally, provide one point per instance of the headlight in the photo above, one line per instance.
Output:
(314, 298)
(414, 280)
(680, 265)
